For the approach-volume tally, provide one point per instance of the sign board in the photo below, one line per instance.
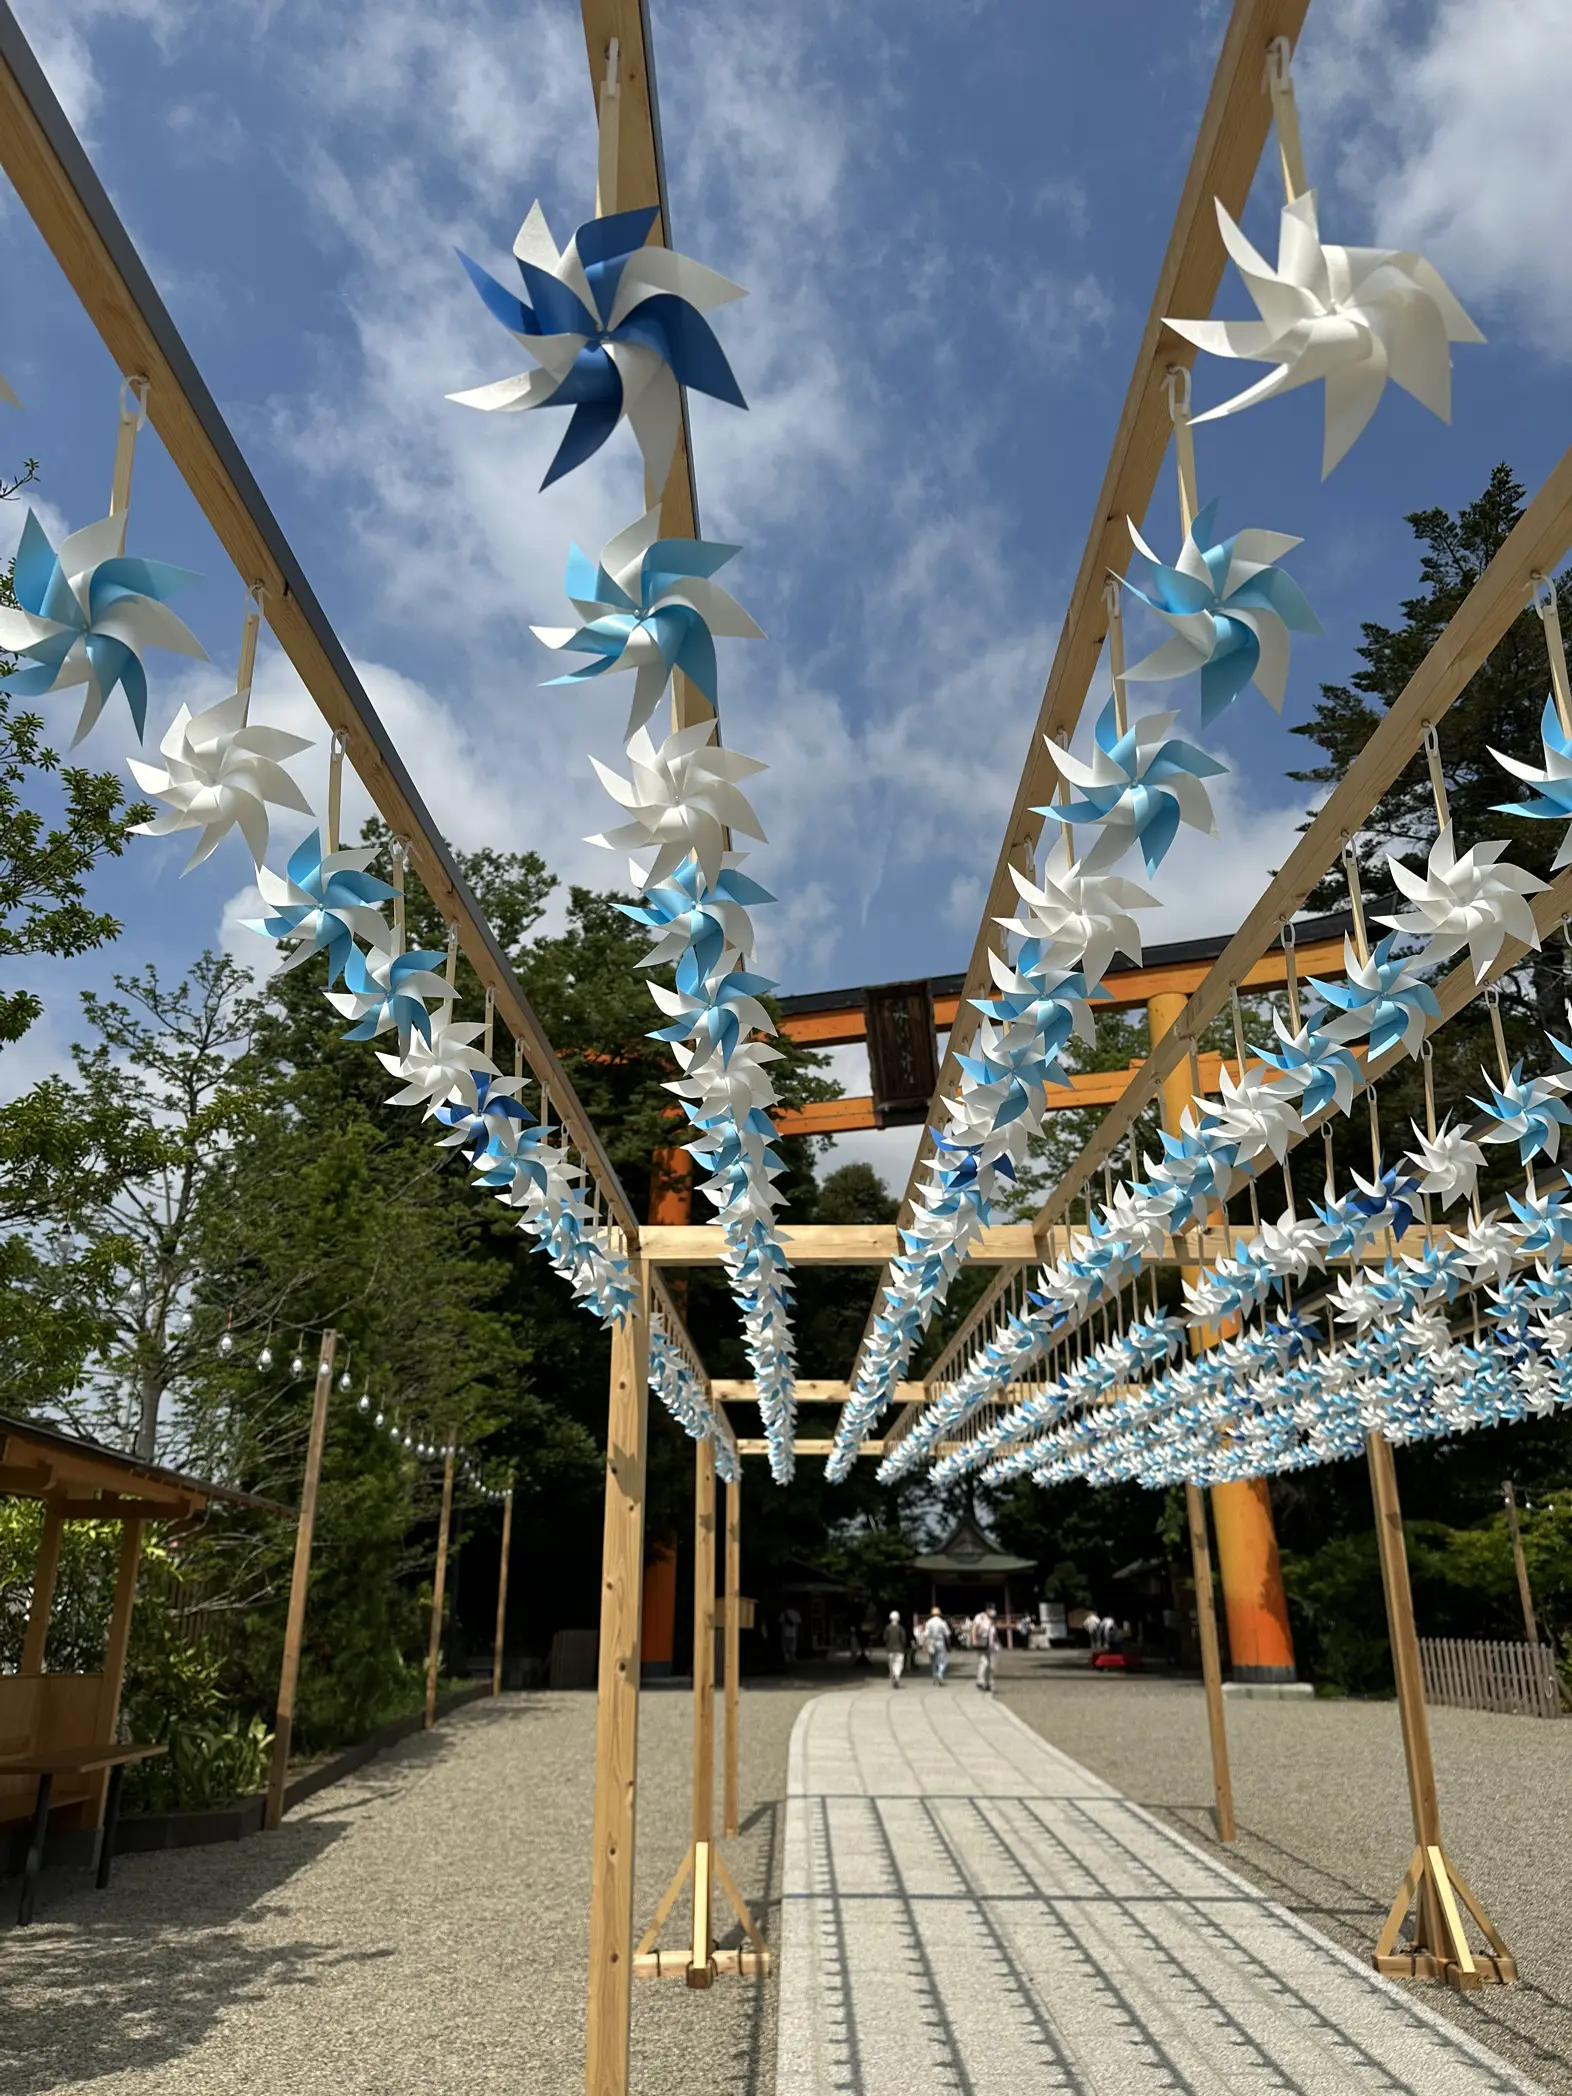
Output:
(903, 1052)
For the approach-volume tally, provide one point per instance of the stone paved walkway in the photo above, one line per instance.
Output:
(968, 1911)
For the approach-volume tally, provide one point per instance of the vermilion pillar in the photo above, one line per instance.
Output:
(1260, 1644)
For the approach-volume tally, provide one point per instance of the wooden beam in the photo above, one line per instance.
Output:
(1211, 1663)
(703, 1829)
(823, 1448)
(115, 1648)
(46, 1569)
(810, 1390)
(299, 1581)
(617, 1706)
(439, 1589)
(502, 1592)
(822, 1244)
(733, 1637)
(66, 201)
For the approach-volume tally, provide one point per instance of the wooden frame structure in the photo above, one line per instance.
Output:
(58, 187)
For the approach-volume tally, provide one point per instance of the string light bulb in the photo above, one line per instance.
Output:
(226, 1339)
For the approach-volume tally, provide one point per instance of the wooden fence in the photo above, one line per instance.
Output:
(1478, 1674)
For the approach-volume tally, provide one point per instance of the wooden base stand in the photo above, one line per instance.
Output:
(1431, 1889)
(701, 1962)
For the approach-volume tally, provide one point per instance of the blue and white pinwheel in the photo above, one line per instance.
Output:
(650, 606)
(616, 328)
(699, 926)
(1137, 789)
(1531, 1114)
(324, 903)
(385, 990)
(1383, 999)
(86, 614)
(1551, 800)
(1318, 1073)
(1231, 610)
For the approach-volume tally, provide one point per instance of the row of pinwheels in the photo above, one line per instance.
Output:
(615, 328)
(1352, 317)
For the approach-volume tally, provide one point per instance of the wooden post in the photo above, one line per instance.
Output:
(699, 1962)
(617, 1711)
(502, 1591)
(1211, 1666)
(439, 1589)
(115, 1655)
(729, 1806)
(45, 1572)
(289, 1672)
(1524, 1592)
(1411, 1712)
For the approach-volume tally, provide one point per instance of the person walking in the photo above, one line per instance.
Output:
(895, 1647)
(1094, 1630)
(936, 1640)
(791, 1623)
(985, 1642)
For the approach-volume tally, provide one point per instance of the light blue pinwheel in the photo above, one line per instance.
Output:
(1325, 1075)
(718, 1014)
(325, 903)
(1530, 1114)
(1383, 1000)
(1231, 610)
(1544, 1229)
(616, 328)
(85, 615)
(696, 923)
(489, 1132)
(650, 606)
(385, 990)
(1551, 799)
(1137, 789)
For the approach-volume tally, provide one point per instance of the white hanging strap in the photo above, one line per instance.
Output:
(1112, 596)
(491, 1019)
(1427, 1062)
(133, 413)
(1285, 115)
(1178, 383)
(1290, 940)
(1356, 901)
(1493, 1006)
(450, 975)
(335, 792)
(1437, 778)
(610, 111)
(250, 626)
(399, 854)
(1544, 602)
(1239, 1039)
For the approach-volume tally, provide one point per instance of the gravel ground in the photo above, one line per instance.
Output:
(1322, 1805)
(420, 1927)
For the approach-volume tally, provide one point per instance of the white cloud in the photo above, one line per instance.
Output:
(1456, 142)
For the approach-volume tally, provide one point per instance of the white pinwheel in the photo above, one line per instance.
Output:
(1445, 1164)
(220, 774)
(1290, 1248)
(683, 798)
(1355, 316)
(1076, 920)
(1254, 1116)
(1488, 1248)
(443, 1068)
(1472, 901)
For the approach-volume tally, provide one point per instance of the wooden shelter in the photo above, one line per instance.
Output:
(971, 1568)
(41, 1713)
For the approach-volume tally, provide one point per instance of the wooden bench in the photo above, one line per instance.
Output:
(71, 1761)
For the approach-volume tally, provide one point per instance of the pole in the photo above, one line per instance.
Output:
(617, 1708)
(1405, 1666)
(700, 1964)
(289, 1672)
(439, 1589)
(1524, 1592)
(502, 1591)
(1211, 1667)
(733, 1649)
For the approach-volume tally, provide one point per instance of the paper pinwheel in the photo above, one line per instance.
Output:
(1487, 1247)
(719, 1015)
(323, 904)
(683, 798)
(85, 615)
(1289, 1248)
(1138, 788)
(221, 774)
(1447, 1163)
(701, 929)
(1076, 920)
(1256, 1115)
(1317, 1073)
(1471, 901)
(1231, 610)
(384, 990)
(616, 328)
(1551, 800)
(440, 1068)
(1355, 316)
(1382, 999)
(1532, 1115)
(650, 607)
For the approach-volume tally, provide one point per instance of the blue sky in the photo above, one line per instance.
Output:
(948, 216)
